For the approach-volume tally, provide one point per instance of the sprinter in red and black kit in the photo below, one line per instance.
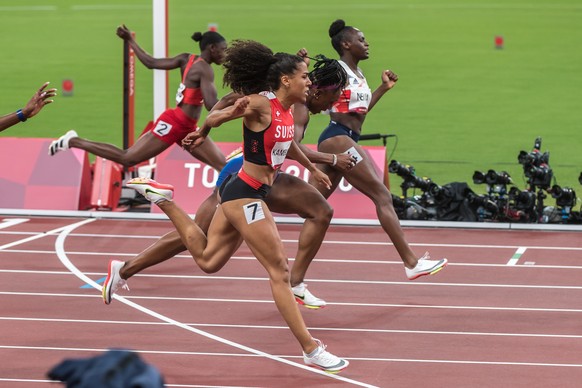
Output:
(243, 214)
(288, 194)
(265, 148)
(197, 90)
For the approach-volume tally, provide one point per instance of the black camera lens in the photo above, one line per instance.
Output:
(401, 170)
(565, 196)
(479, 177)
(497, 178)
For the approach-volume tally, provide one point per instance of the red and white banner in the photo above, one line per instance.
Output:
(194, 181)
(31, 179)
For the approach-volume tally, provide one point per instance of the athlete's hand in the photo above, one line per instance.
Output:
(124, 33)
(345, 162)
(321, 178)
(303, 54)
(241, 105)
(193, 140)
(39, 100)
(389, 79)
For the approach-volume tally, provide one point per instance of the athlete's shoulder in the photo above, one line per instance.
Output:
(270, 95)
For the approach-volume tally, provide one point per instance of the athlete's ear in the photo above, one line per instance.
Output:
(346, 44)
(285, 80)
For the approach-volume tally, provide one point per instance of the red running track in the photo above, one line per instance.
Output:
(504, 313)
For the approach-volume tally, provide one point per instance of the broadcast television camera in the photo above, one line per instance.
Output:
(536, 166)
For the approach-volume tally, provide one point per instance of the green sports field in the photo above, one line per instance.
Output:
(460, 104)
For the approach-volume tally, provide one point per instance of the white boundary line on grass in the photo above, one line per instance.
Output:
(59, 248)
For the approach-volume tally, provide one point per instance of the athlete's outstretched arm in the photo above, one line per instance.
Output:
(34, 105)
(195, 139)
(150, 62)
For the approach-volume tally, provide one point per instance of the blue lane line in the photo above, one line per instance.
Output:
(98, 281)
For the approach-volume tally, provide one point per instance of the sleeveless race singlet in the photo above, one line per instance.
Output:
(270, 146)
(356, 96)
(190, 96)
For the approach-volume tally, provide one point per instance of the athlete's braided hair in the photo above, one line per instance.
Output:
(338, 32)
(327, 74)
(209, 37)
(251, 67)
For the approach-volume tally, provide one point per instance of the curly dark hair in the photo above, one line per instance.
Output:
(251, 67)
(327, 74)
(338, 32)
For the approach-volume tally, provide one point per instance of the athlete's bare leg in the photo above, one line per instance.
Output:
(264, 241)
(163, 249)
(170, 244)
(146, 147)
(291, 195)
(364, 178)
(226, 241)
(288, 195)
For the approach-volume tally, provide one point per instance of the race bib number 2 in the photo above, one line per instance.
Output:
(162, 128)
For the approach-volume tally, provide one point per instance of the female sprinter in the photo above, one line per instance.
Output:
(196, 90)
(268, 130)
(288, 195)
(342, 134)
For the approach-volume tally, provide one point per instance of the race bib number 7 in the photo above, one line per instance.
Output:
(253, 212)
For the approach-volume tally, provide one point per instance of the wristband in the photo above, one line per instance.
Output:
(20, 115)
(334, 159)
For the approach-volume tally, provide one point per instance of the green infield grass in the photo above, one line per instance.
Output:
(460, 104)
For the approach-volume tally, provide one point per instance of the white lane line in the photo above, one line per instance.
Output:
(271, 327)
(8, 222)
(256, 301)
(44, 234)
(335, 242)
(59, 247)
(319, 260)
(355, 358)
(333, 281)
(52, 382)
(516, 256)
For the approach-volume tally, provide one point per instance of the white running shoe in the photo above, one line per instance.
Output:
(425, 266)
(113, 281)
(324, 360)
(306, 298)
(152, 190)
(62, 143)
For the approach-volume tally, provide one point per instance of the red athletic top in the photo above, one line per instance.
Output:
(270, 146)
(190, 96)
